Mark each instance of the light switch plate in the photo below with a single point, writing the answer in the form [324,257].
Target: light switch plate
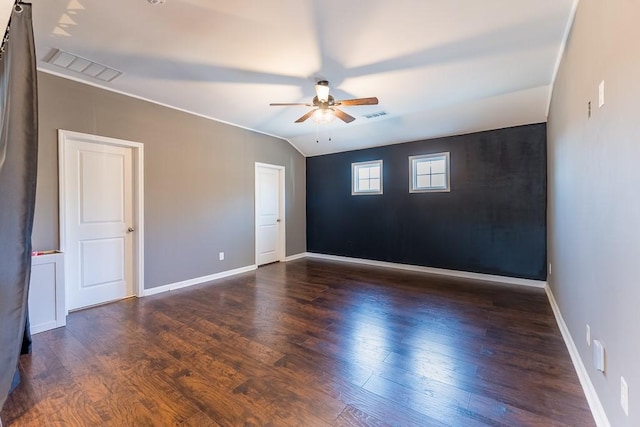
[624,396]
[598,355]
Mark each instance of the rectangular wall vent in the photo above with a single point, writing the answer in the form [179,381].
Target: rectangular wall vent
[375,115]
[82,65]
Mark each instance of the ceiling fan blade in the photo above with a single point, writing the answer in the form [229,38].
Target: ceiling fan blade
[359,101]
[343,116]
[288,104]
[306,116]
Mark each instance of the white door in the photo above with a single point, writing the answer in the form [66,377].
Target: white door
[269,213]
[98,222]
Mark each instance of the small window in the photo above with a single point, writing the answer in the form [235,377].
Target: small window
[429,172]
[366,177]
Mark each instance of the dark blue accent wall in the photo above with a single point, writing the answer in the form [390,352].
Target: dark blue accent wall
[493,221]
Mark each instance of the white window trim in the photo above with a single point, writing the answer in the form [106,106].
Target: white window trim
[412,173]
[354,168]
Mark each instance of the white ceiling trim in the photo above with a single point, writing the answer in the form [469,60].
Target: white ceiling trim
[563,47]
[120,92]
[437,67]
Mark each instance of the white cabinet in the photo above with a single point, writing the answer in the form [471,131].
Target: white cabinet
[46,293]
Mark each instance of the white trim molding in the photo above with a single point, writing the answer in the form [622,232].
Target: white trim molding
[563,48]
[198,280]
[437,271]
[355,177]
[296,256]
[597,409]
[137,149]
[162,104]
[595,405]
[413,172]
[282,212]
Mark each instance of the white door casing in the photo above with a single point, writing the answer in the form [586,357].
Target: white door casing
[101,227]
[269,213]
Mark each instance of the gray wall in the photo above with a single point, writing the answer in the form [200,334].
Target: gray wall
[594,195]
[199,179]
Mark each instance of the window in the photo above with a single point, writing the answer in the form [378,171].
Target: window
[429,172]
[366,177]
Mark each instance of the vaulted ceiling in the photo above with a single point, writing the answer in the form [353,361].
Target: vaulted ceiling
[438,67]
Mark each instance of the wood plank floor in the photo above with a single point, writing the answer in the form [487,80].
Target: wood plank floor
[307,343]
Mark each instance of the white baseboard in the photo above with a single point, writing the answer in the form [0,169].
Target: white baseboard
[595,405]
[597,409]
[438,271]
[295,257]
[592,397]
[36,329]
[197,280]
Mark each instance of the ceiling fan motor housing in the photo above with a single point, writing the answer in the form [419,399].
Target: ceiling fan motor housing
[325,105]
[322,90]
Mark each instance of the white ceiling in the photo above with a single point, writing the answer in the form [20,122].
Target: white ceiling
[5,12]
[439,67]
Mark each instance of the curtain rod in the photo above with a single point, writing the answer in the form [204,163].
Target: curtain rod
[17,7]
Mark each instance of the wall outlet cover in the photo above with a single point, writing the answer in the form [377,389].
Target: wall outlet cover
[221,256]
[601,94]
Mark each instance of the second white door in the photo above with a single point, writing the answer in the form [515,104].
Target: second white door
[98,206]
[269,214]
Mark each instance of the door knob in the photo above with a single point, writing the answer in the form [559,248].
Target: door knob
[131,230]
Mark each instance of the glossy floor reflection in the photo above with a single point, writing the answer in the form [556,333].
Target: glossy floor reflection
[307,343]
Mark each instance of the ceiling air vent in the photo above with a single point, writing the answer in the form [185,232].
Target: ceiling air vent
[375,115]
[82,65]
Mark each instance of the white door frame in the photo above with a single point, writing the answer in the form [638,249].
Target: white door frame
[138,196]
[282,241]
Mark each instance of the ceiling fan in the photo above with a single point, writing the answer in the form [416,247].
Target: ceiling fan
[324,105]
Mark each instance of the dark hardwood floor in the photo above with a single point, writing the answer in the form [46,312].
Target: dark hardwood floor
[307,343]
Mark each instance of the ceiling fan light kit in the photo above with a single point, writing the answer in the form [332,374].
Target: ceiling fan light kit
[325,110]
[323,116]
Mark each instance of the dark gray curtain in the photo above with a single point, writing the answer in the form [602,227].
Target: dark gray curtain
[18,165]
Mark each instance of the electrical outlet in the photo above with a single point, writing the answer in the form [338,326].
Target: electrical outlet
[549,269]
[601,94]
[588,335]
[221,256]
[624,396]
